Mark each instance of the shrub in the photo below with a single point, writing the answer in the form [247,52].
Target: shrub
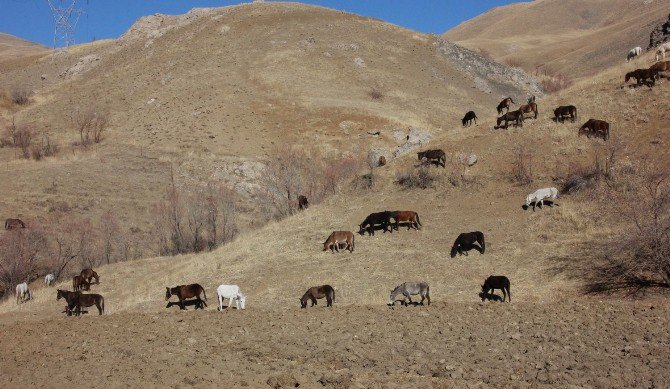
[23,138]
[44,149]
[91,126]
[555,83]
[416,178]
[522,166]
[21,95]
[513,62]
[376,94]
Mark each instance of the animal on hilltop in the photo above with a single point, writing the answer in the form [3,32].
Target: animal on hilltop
[505,104]
[90,274]
[77,300]
[232,293]
[49,279]
[12,224]
[538,197]
[634,52]
[184,292]
[437,156]
[23,293]
[409,289]
[565,111]
[595,127]
[302,202]
[318,292]
[410,218]
[662,49]
[466,242]
[337,237]
[514,116]
[382,219]
[643,76]
[528,108]
[497,282]
[468,118]
[79,283]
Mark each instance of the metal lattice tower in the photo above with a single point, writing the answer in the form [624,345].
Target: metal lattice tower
[66,15]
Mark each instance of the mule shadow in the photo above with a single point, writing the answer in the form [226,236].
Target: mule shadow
[198,304]
[490,297]
[375,228]
[534,204]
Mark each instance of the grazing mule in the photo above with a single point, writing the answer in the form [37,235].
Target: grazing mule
[79,283]
[232,293]
[528,108]
[409,289]
[634,52]
[411,218]
[77,300]
[49,279]
[337,237]
[661,67]
[89,274]
[466,242]
[318,292]
[12,224]
[506,103]
[565,111]
[514,116]
[23,293]
[643,76]
[378,218]
[468,118]
[184,292]
[382,161]
[662,49]
[497,282]
[302,202]
[438,156]
[595,127]
[538,197]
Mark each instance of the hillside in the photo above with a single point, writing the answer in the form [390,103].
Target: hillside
[572,37]
[12,47]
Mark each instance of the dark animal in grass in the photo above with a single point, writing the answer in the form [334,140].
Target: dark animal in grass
[77,300]
[378,218]
[565,111]
[336,238]
[643,76]
[438,157]
[184,292]
[302,202]
[661,67]
[382,161]
[409,289]
[79,283]
[529,108]
[514,116]
[468,118]
[595,127]
[497,282]
[505,104]
[90,274]
[490,297]
[318,292]
[12,224]
[409,218]
[467,241]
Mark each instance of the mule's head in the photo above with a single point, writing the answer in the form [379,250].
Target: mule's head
[326,245]
[242,299]
[361,231]
[628,76]
[454,251]
[421,155]
[168,294]
[59,294]
[392,298]
[303,303]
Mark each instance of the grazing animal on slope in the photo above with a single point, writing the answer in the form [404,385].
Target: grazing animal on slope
[382,161]
[538,197]
[497,282]
[302,202]
[411,218]
[505,104]
[564,111]
[595,127]
[12,224]
[643,76]
[337,237]
[77,300]
[634,52]
[378,218]
[662,49]
[79,283]
[514,116]
[184,292]
[468,118]
[89,274]
[466,242]
[232,293]
[438,156]
[409,289]
[318,292]
[528,108]
[49,279]
[23,293]
[660,67]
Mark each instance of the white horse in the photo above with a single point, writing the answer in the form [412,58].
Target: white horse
[23,293]
[662,49]
[49,279]
[232,293]
[539,196]
[634,52]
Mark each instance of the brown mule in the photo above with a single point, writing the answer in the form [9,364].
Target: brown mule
[337,237]
[409,217]
[79,283]
[12,224]
[88,274]
[318,292]
[184,292]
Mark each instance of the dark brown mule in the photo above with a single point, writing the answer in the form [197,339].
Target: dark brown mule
[302,202]
[497,282]
[643,76]
[89,274]
[595,127]
[565,111]
[79,283]
[78,300]
[468,118]
[409,217]
[318,292]
[184,292]
[438,156]
[528,108]
[466,242]
[382,219]
[514,116]
[12,224]
[506,103]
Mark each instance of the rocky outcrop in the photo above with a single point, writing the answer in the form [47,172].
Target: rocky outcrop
[660,34]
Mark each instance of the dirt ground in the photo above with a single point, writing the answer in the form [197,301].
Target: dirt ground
[585,343]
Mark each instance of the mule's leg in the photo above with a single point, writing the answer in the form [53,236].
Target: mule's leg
[97,304]
[504,294]
[181,304]
[314,302]
[329,300]
[220,302]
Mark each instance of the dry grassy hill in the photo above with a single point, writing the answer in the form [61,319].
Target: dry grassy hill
[12,47]
[572,37]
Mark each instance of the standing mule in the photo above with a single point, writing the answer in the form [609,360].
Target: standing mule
[318,292]
[409,289]
[505,104]
[184,292]
[466,242]
[23,293]
[337,237]
[78,300]
[89,274]
[410,218]
[79,283]
[497,282]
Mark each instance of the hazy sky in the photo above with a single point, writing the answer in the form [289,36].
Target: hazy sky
[32,20]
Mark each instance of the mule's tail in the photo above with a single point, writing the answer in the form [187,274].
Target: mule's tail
[417,220]
[353,241]
[102,304]
[333,294]
[480,237]
[509,293]
[203,292]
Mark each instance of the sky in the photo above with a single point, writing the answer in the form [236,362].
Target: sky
[32,19]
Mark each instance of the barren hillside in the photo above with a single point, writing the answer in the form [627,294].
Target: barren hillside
[573,37]
[12,47]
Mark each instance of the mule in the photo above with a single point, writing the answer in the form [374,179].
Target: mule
[595,127]
[410,218]
[49,279]
[468,118]
[528,108]
[514,116]
[184,292]
[466,242]
[337,237]
[643,76]
[318,292]
[382,219]
[382,161]
[506,103]
[302,202]
[661,67]
[497,282]
[409,289]
[540,196]
[565,111]
[437,156]
[662,49]
[79,283]
[232,293]
[77,300]
[12,224]
[89,274]
[69,299]
[23,293]
[634,52]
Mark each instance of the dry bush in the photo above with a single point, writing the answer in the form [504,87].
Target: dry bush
[366,181]
[555,83]
[376,94]
[21,250]
[522,166]
[338,171]
[91,126]
[416,178]
[21,95]
[513,62]
[5,100]
[44,149]
[587,176]
[485,53]
[23,138]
